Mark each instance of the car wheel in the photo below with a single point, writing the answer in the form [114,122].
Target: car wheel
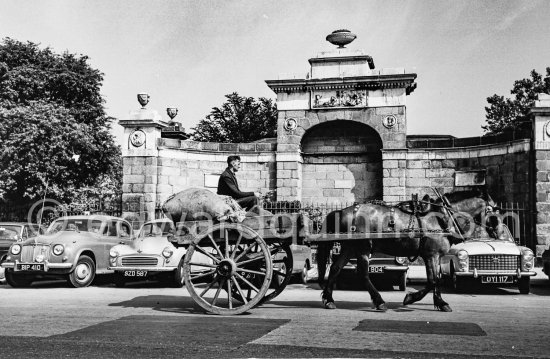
[177,278]
[304,275]
[17,280]
[83,273]
[524,285]
[403,282]
[119,280]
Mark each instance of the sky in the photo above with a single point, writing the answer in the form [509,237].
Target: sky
[189,54]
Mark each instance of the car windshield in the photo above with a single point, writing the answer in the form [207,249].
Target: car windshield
[502,233]
[156,229]
[9,232]
[76,225]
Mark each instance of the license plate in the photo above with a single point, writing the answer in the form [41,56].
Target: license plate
[135,273]
[376,269]
[496,279]
[30,267]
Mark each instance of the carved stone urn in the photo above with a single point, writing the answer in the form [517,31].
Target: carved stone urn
[172,112]
[143,99]
[341,37]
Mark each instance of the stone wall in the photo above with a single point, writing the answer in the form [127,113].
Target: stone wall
[184,164]
[415,171]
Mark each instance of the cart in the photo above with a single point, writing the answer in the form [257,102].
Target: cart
[231,267]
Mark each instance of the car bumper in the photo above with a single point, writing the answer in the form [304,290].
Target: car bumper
[477,274]
[148,269]
[47,266]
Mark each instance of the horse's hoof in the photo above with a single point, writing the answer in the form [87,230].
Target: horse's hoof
[444,308]
[408,299]
[382,307]
[330,305]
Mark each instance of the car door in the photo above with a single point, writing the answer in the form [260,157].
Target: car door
[108,239]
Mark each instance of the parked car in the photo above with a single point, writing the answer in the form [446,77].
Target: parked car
[301,262]
[75,247]
[384,270]
[11,232]
[151,255]
[489,261]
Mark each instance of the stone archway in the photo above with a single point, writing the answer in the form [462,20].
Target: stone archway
[342,162]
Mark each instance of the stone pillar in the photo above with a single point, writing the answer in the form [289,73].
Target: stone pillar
[142,130]
[394,164]
[541,139]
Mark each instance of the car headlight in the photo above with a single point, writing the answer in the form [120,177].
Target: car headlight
[113,253]
[15,249]
[58,249]
[167,252]
[400,260]
[462,255]
[527,259]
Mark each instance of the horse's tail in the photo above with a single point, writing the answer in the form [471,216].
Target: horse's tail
[324,248]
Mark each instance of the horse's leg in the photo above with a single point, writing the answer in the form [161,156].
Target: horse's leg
[363,269]
[439,303]
[416,296]
[346,252]
[323,251]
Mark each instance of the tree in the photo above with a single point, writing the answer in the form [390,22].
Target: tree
[239,119]
[51,109]
[505,114]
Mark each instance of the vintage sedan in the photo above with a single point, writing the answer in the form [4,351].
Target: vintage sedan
[489,261]
[151,255]
[384,271]
[11,232]
[75,247]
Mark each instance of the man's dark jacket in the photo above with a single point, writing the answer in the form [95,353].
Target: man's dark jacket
[228,185]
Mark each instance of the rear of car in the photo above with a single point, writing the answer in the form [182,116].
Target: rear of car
[385,271]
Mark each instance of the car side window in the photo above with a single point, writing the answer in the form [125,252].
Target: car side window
[125,230]
[110,229]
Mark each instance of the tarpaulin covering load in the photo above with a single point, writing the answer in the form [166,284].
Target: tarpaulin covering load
[197,204]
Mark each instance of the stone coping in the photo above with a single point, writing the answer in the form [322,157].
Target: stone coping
[216,146]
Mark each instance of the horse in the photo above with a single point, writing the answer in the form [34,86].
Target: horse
[434,218]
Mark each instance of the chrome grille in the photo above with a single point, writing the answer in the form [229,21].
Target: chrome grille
[494,262]
[29,252]
[139,261]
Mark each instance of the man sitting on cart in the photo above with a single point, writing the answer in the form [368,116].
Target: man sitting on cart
[228,185]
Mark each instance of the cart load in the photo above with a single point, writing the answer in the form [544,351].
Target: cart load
[198,204]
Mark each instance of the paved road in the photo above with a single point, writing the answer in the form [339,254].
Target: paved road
[145,320]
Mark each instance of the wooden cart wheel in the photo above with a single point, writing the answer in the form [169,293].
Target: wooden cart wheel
[222,260]
[282,270]
[281,255]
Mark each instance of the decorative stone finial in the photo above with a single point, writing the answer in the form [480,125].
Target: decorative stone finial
[341,37]
[172,112]
[143,99]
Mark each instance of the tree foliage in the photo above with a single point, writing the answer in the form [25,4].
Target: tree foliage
[51,108]
[239,119]
[505,114]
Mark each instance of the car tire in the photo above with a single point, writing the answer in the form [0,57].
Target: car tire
[304,275]
[83,273]
[119,280]
[177,276]
[17,280]
[403,282]
[524,285]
